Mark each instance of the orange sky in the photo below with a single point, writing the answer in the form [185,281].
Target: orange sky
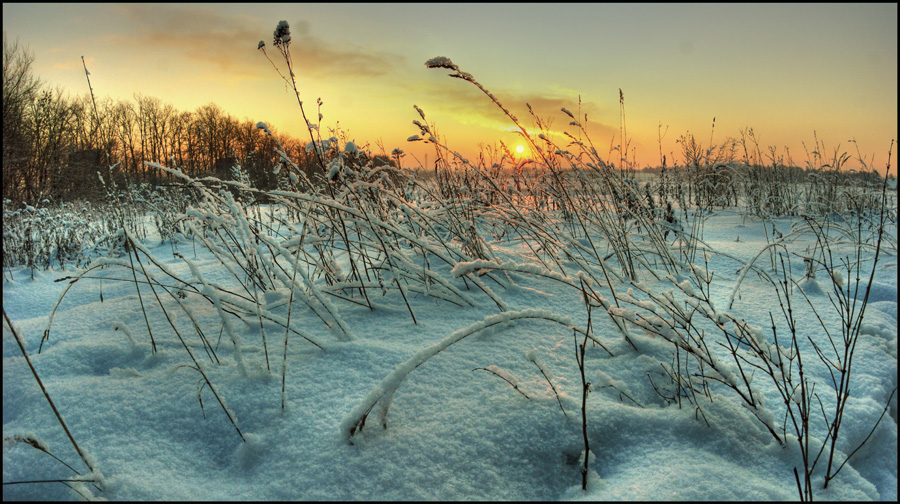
[784,70]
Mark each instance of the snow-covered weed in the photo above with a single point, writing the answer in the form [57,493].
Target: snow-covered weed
[93,476]
[53,235]
[354,229]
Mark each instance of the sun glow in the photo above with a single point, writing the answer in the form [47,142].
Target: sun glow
[520,149]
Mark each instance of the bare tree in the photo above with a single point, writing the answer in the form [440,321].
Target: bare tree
[19,88]
[52,140]
[53,144]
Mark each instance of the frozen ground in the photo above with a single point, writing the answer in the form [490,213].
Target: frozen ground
[453,431]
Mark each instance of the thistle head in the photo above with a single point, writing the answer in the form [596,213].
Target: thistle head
[444,62]
[441,62]
[282,33]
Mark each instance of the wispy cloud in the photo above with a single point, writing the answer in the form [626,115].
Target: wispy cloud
[469,105]
[317,55]
[229,41]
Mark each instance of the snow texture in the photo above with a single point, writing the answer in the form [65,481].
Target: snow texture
[422,425]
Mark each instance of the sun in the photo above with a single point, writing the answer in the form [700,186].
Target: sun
[520,149]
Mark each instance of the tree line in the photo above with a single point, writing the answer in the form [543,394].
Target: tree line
[54,145]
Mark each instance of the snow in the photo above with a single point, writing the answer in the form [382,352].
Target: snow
[441,62]
[389,409]
[282,33]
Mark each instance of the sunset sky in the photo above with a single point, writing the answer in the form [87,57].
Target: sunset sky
[784,70]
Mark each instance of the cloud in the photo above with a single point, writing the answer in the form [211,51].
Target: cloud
[469,105]
[72,65]
[229,41]
[194,33]
[309,52]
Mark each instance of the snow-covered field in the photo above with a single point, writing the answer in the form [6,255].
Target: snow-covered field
[456,429]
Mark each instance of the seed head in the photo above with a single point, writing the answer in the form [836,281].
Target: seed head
[441,62]
[282,33]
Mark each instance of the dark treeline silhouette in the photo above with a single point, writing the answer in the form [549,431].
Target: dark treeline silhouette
[54,145]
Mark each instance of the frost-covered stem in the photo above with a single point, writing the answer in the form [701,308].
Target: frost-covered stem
[788,390]
[624,146]
[63,481]
[777,243]
[383,393]
[442,62]
[210,351]
[186,347]
[210,293]
[681,331]
[522,218]
[46,394]
[290,309]
[626,264]
[541,369]
[140,299]
[585,388]
[283,47]
[387,255]
[87,75]
[262,328]
[852,324]
[514,385]
[69,284]
[37,444]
